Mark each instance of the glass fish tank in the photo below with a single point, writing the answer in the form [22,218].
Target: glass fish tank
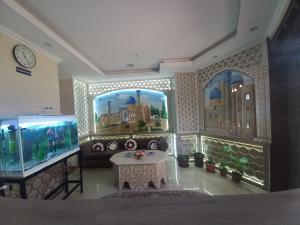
[30,143]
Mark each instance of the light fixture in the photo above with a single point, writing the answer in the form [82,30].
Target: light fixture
[253,28]
[48,44]
[130,65]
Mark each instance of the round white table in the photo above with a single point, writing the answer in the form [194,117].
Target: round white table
[139,173]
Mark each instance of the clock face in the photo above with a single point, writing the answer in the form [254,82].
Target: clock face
[24,56]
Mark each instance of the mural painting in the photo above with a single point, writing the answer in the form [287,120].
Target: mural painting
[229,104]
[130,110]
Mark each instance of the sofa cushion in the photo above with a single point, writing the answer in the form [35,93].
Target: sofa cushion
[153,145]
[98,147]
[130,145]
[112,146]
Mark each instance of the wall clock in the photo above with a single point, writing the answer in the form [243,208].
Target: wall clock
[24,56]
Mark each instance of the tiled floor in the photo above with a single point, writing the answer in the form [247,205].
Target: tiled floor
[100,181]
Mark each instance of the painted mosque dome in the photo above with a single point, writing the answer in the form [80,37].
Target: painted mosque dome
[236,79]
[215,94]
[130,101]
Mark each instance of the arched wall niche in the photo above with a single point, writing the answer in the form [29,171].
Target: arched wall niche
[229,104]
[130,110]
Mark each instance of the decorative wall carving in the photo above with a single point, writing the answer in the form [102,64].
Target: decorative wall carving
[81,107]
[186,102]
[103,87]
[253,62]
[187,144]
[256,172]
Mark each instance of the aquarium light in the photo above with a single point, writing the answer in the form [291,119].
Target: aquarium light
[46,123]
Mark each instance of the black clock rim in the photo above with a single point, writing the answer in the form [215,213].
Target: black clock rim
[14,55]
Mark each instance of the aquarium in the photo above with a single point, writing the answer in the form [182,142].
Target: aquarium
[30,143]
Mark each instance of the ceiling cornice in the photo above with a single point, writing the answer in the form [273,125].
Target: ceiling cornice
[19,38]
[36,22]
[277,17]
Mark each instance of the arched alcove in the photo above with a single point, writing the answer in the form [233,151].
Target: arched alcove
[130,110]
[229,104]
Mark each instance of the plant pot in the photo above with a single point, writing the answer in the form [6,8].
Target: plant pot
[236,177]
[223,172]
[198,159]
[210,167]
[183,163]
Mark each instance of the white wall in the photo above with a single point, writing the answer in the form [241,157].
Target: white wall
[21,94]
[66,96]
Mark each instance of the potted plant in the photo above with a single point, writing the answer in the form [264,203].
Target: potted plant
[227,150]
[183,160]
[210,165]
[223,169]
[198,157]
[239,166]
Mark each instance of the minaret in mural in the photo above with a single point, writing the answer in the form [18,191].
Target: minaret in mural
[109,107]
[138,106]
[227,95]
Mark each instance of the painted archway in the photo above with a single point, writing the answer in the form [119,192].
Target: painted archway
[229,104]
[130,110]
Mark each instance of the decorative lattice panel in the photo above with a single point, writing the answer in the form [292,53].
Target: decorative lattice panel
[187,144]
[159,84]
[242,60]
[213,147]
[81,106]
[186,103]
[252,62]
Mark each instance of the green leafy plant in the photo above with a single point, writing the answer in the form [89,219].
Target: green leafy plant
[223,165]
[227,150]
[210,160]
[183,157]
[239,164]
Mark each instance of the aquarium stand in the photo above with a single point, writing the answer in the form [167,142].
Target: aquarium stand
[64,186]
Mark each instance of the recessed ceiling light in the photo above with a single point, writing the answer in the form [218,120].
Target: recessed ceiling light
[130,65]
[253,28]
[48,44]
[137,55]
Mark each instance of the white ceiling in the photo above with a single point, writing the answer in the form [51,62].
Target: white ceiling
[98,38]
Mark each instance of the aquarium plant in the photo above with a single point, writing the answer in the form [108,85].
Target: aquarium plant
[12,143]
[68,142]
[43,149]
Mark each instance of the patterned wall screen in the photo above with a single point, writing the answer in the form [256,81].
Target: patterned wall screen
[186,103]
[100,88]
[81,106]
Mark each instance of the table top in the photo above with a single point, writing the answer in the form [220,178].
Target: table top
[280,208]
[128,158]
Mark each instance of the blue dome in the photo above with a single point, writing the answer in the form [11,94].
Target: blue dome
[130,101]
[236,79]
[215,94]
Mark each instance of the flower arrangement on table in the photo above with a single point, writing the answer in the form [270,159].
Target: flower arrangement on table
[139,154]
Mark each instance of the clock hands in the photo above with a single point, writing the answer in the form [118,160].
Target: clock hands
[26,58]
